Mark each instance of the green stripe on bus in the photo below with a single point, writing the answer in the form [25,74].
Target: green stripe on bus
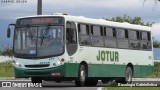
[94,70]
[108,70]
[113,70]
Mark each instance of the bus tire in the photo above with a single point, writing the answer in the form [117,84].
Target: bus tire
[128,75]
[127,78]
[36,80]
[82,75]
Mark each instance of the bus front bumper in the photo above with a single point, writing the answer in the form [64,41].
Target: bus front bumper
[46,72]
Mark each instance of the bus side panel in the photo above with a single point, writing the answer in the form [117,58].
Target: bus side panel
[93,70]
[146,70]
[137,71]
[111,70]
[142,70]
[71,69]
[106,70]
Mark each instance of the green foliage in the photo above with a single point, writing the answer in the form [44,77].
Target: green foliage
[135,20]
[0,52]
[157,69]
[156,44]
[8,52]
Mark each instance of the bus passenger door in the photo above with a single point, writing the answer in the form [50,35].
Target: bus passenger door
[71,47]
[71,38]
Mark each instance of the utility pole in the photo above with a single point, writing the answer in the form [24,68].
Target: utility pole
[39,7]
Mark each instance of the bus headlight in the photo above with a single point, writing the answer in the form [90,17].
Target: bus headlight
[17,64]
[58,63]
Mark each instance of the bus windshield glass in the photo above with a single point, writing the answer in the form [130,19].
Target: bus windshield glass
[38,41]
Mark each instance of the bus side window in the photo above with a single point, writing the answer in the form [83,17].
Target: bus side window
[71,33]
[134,37]
[145,42]
[110,37]
[122,38]
[97,36]
[144,36]
[96,30]
[84,34]
[120,33]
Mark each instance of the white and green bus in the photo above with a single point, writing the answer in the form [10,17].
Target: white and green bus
[63,47]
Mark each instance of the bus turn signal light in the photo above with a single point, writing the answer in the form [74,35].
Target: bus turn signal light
[62,60]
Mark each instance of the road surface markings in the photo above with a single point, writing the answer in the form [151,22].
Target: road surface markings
[100,88]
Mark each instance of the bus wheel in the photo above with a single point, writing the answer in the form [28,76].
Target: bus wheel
[36,80]
[81,76]
[129,75]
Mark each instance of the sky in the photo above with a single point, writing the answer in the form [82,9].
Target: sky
[148,11]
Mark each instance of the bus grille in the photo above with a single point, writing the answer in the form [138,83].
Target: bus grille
[37,65]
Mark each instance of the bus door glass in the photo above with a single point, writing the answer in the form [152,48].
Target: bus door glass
[71,38]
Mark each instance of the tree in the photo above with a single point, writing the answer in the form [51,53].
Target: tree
[8,52]
[135,20]
[156,44]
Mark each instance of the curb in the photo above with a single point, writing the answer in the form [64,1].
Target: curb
[7,78]
[146,79]
[13,78]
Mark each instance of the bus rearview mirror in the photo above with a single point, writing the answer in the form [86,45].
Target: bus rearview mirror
[8,32]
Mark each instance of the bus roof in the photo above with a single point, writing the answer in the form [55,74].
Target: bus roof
[82,19]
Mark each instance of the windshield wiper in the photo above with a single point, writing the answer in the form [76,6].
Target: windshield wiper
[45,33]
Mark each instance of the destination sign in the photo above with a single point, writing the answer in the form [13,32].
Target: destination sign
[40,20]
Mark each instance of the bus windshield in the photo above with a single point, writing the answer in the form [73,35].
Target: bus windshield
[38,41]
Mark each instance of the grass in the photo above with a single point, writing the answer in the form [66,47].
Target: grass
[6,70]
[132,88]
[156,71]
